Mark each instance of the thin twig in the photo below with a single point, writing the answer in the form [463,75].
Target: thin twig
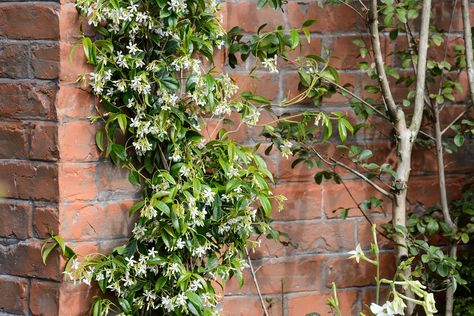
[256,283]
[453,122]
[360,175]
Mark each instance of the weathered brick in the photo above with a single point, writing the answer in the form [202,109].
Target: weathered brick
[282,274]
[44,143]
[77,182]
[27,180]
[13,60]
[77,141]
[44,298]
[13,299]
[15,217]
[80,221]
[311,238]
[251,305]
[348,273]
[76,300]
[113,181]
[72,65]
[303,201]
[263,84]
[316,302]
[74,102]
[247,16]
[46,221]
[13,140]
[45,61]
[28,20]
[26,100]
[24,259]
[328,19]
[335,196]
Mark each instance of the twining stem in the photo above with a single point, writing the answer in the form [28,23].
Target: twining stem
[377,260]
[255,281]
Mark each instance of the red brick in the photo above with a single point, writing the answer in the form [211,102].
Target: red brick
[44,298]
[311,238]
[74,102]
[247,16]
[46,221]
[15,217]
[329,19]
[263,84]
[25,180]
[348,273]
[364,234]
[70,25]
[13,140]
[316,302]
[44,141]
[45,62]
[425,189]
[13,60]
[296,274]
[303,201]
[25,100]
[27,20]
[76,300]
[80,221]
[251,305]
[335,196]
[77,141]
[345,55]
[14,295]
[24,259]
[77,182]
[72,66]
[113,181]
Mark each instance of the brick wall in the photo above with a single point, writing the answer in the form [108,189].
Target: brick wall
[54,181]
[51,175]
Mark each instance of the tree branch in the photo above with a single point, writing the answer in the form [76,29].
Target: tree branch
[468,46]
[421,68]
[396,115]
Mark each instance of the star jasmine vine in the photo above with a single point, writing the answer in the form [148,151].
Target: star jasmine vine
[204,201]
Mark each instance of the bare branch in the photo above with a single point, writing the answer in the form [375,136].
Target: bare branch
[252,271]
[421,68]
[453,122]
[363,177]
[396,115]
[468,46]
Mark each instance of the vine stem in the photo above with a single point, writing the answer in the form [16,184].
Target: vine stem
[255,281]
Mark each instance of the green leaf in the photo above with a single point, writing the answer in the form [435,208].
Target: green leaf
[125,305]
[122,120]
[308,23]
[195,299]
[266,204]
[459,140]
[162,207]
[134,177]
[160,283]
[119,151]
[295,39]
[137,206]
[99,139]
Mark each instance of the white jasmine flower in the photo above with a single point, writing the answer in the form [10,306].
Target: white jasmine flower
[356,254]
[384,310]
[181,299]
[271,64]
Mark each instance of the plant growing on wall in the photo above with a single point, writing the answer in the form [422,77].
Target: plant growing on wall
[430,84]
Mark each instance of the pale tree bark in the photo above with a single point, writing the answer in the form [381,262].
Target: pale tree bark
[405,135]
